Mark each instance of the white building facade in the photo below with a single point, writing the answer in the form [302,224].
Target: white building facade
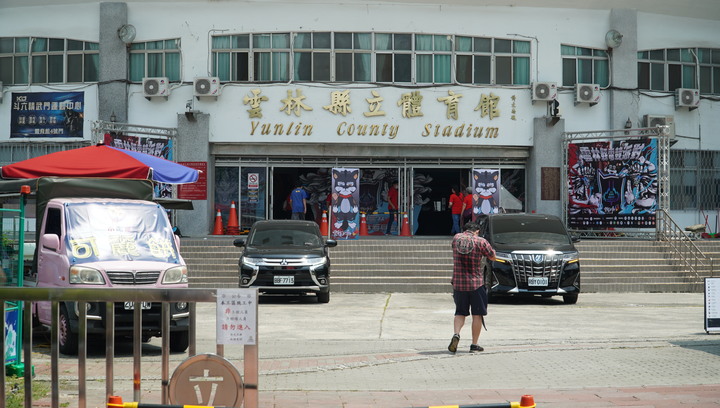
[266,95]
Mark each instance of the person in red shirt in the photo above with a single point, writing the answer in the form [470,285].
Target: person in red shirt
[468,283]
[456,203]
[392,197]
[467,206]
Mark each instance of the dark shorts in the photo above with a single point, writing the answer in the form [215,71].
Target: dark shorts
[474,301]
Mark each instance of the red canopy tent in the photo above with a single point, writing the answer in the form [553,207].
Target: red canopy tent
[103,162]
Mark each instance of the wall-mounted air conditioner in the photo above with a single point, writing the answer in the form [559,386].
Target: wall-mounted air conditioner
[206,87]
[587,93]
[156,87]
[544,91]
[687,98]
[652,121]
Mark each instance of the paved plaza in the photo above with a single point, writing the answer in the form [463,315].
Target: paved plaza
[390,350]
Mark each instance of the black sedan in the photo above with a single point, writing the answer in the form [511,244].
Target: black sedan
[286,257]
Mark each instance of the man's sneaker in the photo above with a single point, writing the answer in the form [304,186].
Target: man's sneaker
[454,343]
[474,348]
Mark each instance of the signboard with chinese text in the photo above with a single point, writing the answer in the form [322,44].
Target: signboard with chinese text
[47,114]
[198,189]
[376,115]
[612,184]
[237,316]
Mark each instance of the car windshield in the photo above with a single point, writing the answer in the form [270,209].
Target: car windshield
[529,231]
[285,235]
[119,232]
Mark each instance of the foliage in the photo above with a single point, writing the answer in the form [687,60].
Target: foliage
[15,391]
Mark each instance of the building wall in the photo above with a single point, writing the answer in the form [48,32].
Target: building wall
[225,122]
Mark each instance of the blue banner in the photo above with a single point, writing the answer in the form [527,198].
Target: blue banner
[47,114]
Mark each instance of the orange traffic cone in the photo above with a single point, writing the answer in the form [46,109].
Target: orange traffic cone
[363,225]
[527,401]
[324,224]
[232,226]
[115,402]
[405,229]
[218,230]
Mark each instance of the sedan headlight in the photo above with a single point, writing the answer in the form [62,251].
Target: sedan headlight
[85,275]
[251,261]
[176,274]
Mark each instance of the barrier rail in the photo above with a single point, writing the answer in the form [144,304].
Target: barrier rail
[526,401]
[111,295]
[699,264]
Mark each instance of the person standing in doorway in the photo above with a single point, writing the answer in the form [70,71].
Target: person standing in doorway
[467,206]
[392,197]
[455,204]
[298,202]
[469,291]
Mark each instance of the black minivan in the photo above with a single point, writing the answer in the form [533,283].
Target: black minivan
[535,255]
[286,257]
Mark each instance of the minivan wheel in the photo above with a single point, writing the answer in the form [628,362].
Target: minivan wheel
[323,297]
[570,298]
[179,341]
[68,342]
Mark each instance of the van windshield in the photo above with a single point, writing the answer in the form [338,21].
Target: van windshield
[529,231]
[119,232]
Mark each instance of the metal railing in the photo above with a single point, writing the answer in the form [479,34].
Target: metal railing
[27,296]
[683,248]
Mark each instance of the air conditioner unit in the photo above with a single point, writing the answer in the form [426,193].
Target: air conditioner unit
[206,87]
[651,121]
[587,93]
[156,87]
[544,91]
[687,98]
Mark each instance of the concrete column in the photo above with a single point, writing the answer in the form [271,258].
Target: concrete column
[623,71]
[193,144]
[112,87]
[547,145]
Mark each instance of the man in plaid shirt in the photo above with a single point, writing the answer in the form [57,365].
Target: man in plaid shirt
[468,287]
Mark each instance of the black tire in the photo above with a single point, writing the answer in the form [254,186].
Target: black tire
[179,341]
[68,341]
[570,298]
[323,297]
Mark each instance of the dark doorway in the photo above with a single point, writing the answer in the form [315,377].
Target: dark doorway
[316,182]
[432,189]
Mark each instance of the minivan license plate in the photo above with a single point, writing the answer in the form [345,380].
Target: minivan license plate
[537,281]
[283,280]
[143,305]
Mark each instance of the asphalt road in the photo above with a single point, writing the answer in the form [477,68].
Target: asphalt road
[390,350]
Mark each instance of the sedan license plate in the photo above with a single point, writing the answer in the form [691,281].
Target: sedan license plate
[143,305]
[283,280]
[537,281]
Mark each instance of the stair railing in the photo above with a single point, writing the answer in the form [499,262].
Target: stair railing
[685,250]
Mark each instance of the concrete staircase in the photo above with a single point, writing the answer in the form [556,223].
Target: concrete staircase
[399,264]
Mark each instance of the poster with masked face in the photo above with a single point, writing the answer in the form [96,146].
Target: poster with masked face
[345,208]
[612,184]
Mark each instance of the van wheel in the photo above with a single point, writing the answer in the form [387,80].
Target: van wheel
[570,299]
[323,297]
[68,342]
[179,341]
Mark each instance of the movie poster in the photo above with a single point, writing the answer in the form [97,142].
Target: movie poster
[486,191]
[612,184]
[47,114]
[345,207]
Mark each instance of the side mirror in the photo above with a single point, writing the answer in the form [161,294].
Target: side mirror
[575,238]
[50,241]
[239,242]
[330,243]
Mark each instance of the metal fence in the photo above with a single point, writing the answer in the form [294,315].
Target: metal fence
[27,296]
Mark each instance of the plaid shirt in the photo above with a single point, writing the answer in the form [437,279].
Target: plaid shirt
[468,252]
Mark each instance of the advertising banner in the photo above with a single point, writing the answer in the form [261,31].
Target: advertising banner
[486,191]
[47,114]
[345,203]
[158,147]
[612,184]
